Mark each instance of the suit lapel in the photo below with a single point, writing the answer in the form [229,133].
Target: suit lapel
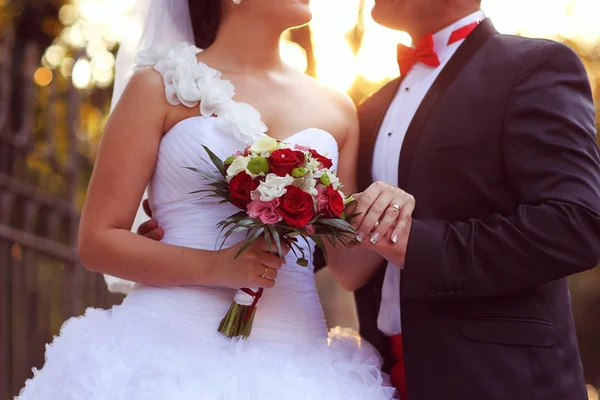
[464,53]
[371,114]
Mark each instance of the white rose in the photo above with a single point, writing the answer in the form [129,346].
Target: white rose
[265,144]
[242,121]
[238,165]
[272,187]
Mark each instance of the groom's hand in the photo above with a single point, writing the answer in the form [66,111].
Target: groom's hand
[383,212]
[150,228]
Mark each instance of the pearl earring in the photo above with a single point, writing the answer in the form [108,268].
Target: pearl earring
[237,1]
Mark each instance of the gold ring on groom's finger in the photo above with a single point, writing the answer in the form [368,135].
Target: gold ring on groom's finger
[264,273]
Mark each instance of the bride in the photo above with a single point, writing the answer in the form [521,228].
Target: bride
[162,342]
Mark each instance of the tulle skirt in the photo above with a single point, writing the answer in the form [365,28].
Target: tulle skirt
[132,353]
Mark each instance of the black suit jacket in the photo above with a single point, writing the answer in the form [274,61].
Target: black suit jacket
[502,160]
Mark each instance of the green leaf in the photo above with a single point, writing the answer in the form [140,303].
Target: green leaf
[268,239]
[276,238]
[331,239]
[250,240]
[319,241]
[216,161]
[338,224]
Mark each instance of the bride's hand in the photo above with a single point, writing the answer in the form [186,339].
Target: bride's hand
[256,267]
[382,210]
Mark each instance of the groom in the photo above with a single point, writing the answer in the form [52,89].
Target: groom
[494,136]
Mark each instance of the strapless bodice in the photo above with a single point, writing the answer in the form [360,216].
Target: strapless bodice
[190,219]
[291,311]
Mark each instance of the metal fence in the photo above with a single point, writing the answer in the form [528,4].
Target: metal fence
[41,172]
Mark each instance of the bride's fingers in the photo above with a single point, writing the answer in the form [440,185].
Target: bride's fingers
[403,219]
[269,273]
[270,260]
[285,248]
[264,276]
[390,216]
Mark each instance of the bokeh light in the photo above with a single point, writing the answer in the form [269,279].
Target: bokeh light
[82,73]
[93,28]
[42,76]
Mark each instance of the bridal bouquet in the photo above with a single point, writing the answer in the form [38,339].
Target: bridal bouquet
[286,193]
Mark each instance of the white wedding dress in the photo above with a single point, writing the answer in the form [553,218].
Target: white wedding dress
[162,342]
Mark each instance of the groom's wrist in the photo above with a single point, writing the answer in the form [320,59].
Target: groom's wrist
[424,260]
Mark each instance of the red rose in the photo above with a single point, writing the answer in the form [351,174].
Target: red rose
[330,203]
[297,207]
[325,162]
[240,187]
[283,161]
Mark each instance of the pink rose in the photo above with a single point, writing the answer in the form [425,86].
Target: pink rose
[266,211]
[330,203]
[322,198]
[302,148]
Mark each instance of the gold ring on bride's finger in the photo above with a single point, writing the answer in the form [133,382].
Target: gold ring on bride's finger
[396,206]
[264,273]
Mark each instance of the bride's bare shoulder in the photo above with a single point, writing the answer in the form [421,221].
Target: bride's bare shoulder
[145,91]
[330,102]
[327,94]
[145,81]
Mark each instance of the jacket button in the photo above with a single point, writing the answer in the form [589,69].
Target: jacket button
[452,294]
[433,293]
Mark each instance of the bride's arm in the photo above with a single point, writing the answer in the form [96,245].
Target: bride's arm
[124,165]
[352,267]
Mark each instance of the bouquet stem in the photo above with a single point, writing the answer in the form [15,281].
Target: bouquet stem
[238,320]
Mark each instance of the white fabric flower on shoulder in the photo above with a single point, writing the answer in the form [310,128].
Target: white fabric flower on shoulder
[194,83]
[190,83]
[241,120]
[216,95]
[150,56]
[174,63]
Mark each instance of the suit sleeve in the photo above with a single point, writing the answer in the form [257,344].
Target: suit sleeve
[552,162]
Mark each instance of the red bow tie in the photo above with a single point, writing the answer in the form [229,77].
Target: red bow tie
[424,51]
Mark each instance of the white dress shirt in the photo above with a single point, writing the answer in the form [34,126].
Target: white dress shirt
[386,156]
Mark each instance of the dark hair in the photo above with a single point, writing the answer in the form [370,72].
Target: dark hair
[206,17]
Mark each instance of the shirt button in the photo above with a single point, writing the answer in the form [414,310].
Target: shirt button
[389,134]
[406,89]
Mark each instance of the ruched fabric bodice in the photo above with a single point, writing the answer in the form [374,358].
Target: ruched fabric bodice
[289,312]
